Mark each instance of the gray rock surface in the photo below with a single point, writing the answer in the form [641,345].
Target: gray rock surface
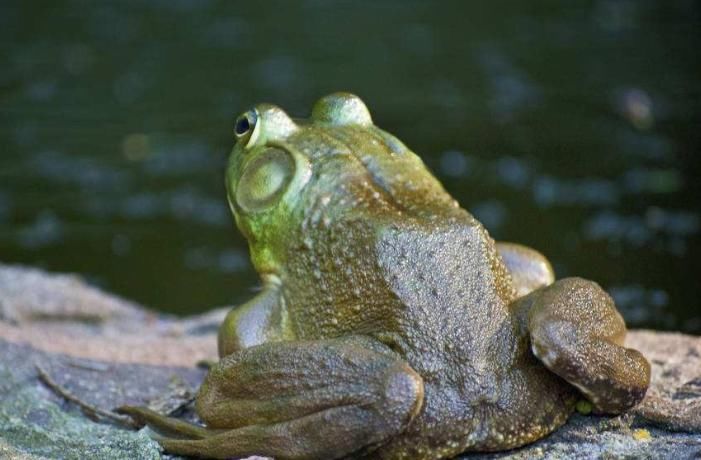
[108,351]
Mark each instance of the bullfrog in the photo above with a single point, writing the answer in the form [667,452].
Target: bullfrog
[389,325]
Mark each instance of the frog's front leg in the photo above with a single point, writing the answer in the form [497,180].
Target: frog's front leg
[262,319]
[529,269]
[302,399]
[576,331]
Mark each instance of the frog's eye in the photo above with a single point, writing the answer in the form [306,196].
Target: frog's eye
[245,127]
[341,109]
[265,178]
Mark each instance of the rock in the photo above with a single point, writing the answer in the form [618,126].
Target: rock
[108,352]
[37,423]
[82,321]
[674,398]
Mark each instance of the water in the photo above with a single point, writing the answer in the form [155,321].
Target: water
[572,127]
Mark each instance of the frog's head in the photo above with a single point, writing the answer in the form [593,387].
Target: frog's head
[283,172]
[275,166]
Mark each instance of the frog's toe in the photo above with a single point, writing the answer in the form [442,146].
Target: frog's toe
[166,426]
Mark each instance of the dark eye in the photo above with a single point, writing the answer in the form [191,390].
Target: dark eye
[245,124]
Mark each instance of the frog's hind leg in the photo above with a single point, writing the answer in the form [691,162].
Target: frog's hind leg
[576,331]
[298,400]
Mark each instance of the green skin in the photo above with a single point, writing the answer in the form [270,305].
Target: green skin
[390,324]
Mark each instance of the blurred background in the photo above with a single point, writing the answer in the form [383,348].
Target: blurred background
[573,127]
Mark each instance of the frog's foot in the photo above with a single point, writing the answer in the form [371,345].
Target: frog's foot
[578,334]
[302,400]
[168,427]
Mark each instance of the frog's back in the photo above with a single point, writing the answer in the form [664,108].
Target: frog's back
[480,381]
[451,287]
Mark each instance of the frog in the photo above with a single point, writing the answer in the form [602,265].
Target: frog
[389,324]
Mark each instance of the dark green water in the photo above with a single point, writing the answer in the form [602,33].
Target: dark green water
[574,127]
